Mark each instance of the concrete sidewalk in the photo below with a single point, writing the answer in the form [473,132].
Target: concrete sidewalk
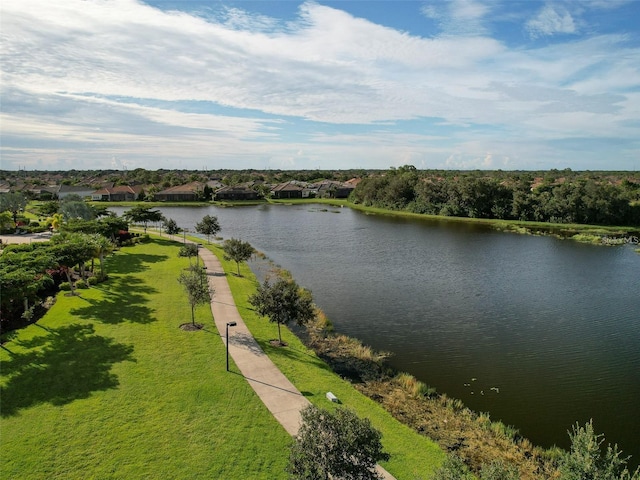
[279,395]
[275,390]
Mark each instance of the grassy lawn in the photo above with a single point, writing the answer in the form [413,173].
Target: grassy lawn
[107,386]
[413,456]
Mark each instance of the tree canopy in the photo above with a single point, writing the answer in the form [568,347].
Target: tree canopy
[14,203]
[237,250]
[208,226]
[335,445]
[282,302]
[557,197]
[171,227]
[143,214]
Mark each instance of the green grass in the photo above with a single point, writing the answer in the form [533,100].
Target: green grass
[412,455]
[107,386]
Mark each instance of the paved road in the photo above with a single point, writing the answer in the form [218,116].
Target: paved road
[26,238]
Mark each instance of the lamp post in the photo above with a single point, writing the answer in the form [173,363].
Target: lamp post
[229,324]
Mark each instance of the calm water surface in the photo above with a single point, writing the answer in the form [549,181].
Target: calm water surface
[544,332]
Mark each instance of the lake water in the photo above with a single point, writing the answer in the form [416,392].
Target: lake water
[544,332]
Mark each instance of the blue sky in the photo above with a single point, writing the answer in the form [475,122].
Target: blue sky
[460,84]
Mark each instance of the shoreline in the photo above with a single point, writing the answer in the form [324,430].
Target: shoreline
[606,235]
[471,435]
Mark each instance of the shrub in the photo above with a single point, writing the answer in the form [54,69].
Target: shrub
[81,284]
[188,250]
[28,313]
[335,445]
[498,470]
[453,468]
[48,303]
[65,286]
[587,458]
[93,280]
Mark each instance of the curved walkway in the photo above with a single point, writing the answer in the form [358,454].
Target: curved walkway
[275,390]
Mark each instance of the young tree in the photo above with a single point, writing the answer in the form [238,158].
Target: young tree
[587,459]
[335,445]
[237,250]
[195,284]
[171,227]
[188,250]
[283,301]
[144,215]
[14,203]
[208,226]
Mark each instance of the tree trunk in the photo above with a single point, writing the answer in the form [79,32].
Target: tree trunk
[101,266]
[67,270]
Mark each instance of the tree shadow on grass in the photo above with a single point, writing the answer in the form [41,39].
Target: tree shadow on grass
[132,262]
[164,241]
[66,364]
[124,300]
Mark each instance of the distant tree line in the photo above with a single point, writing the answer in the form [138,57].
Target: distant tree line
[566,197]
[163,178]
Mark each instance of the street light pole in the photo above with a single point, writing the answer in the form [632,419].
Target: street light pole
[229,324]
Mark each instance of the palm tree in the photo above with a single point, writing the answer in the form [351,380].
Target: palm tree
[101,246]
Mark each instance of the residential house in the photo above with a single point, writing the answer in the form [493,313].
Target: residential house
[287,190]
[119,193]
[333,189]
[66,190]
[182,193]
[236,192]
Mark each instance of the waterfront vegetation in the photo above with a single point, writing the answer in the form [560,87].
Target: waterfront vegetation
[595,234]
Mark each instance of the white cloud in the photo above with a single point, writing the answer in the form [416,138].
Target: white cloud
[121,77]
[551,20]
[458,17]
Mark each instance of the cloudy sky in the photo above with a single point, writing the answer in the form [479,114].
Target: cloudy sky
[460,84]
